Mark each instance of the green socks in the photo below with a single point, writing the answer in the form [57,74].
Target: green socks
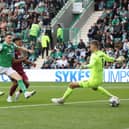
[22,85]
[67,93]
[104,91]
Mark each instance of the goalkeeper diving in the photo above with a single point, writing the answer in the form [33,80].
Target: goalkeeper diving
[96,66]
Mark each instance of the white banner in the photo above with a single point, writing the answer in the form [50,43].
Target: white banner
[77,8]
[71,75]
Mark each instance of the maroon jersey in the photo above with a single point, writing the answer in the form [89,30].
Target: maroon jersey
[18,66]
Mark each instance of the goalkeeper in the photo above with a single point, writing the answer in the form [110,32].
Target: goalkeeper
[96,66]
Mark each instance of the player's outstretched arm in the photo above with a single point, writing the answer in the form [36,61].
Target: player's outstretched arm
[19,60]
[107,58]
[111,59]
[30,63]
[25,49]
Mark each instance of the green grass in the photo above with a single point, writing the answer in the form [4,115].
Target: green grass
[86,115]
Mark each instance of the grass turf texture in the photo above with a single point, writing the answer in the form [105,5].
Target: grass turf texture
[86,115]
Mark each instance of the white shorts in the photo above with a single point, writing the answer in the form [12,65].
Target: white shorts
[7,70]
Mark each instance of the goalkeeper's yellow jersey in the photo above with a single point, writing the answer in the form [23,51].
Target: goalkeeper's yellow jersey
[96,65]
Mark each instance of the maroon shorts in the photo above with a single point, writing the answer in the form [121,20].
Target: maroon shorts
[24,76]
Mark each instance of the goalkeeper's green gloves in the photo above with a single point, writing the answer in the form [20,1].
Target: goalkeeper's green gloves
[120,59]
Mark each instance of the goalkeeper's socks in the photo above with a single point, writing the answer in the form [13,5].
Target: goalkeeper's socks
[67,93]
[104,91]
[22,86]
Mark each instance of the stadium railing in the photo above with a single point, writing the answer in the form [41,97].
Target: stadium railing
[61,12]
[88,6]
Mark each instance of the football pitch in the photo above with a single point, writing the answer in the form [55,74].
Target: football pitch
[85,109]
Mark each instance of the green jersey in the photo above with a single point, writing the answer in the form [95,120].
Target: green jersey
[45,40]
[7,54]
[35,29]
[96,65]
[60,33]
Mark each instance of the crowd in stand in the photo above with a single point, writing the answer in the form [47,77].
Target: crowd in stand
[67,55]
[111,29]
[18,16]
[22,17]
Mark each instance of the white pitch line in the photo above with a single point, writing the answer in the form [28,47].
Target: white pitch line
[107,87]
[51,104]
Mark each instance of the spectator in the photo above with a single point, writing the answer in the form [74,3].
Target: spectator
[111,30]
[126,45]
[49,32]
[62,63]
[58,54]
[101,5]
[45,40]
[34,31]
[98,36]
[70,45]
[26,18]
[60,34]
[81,45]
[47,63]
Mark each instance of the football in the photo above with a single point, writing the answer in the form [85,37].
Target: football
[114,101]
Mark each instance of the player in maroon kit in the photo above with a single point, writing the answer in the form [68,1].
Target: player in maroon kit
[17,65]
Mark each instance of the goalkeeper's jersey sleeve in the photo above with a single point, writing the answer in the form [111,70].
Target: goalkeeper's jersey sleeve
[107,58]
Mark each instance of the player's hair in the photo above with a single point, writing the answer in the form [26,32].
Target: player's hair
[16,39]
[46,33]
[95,43]
[8,33]
[59,25]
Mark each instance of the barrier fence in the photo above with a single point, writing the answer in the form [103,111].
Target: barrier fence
[71,75]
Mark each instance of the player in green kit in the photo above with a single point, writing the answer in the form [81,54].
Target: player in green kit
[96,66]
[7,50]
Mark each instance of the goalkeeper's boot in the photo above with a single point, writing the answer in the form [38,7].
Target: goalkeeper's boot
[57,100]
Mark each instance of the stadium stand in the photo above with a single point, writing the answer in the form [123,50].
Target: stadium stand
[19,17]
[111,29]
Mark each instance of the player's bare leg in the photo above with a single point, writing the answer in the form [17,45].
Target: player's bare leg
[13,88]
[67,93]
[12,91]
[21,84]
